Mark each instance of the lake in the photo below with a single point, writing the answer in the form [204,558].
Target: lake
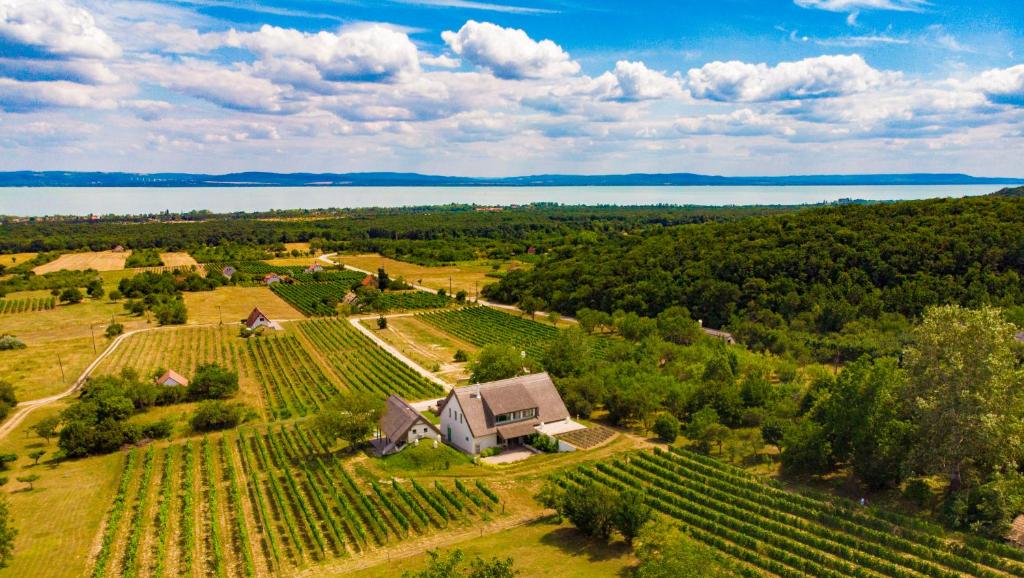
[38,201]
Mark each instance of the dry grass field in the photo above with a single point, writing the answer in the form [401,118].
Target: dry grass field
[427,345]
[98,260]
[467,276]
[13,259]
[177,260]
[232,304]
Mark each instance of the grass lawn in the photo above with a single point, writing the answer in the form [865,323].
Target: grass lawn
[424,459]
[66,331]
[539,549]
[463,275]
[98,260]
[235,303]
[59,521]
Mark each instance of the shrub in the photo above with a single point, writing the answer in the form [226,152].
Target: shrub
[667,427]
[114,329]
[461,356]
[212,381]
[71,295]
[215,415]
[157,430]
[9,342]
[542,442]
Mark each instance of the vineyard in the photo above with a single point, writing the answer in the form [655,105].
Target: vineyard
[180,349]
[767,531]
[9,306]
[313,299]
[265,502]
[485,325]
[291,381]
[413,300]
[364,366]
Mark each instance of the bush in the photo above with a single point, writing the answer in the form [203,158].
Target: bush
[10,342]
[667,427]
[114,329]
[542,442]
[158,430]
[71,295]
[461,356]
[216,415]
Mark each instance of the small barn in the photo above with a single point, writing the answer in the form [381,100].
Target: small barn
[172,378]
[271,278]
[401,425]
[118,249]
[228,271]
[257,319]
[369,281]
[314,268]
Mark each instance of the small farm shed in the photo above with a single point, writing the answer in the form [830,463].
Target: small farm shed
[172,378]
[401,425]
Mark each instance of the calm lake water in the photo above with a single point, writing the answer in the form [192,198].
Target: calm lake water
[37,201]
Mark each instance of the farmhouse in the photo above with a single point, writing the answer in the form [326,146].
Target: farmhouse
[314,268]
[228,271]
[503,413]
[258,319]
[369,281]
[401,425]
[172,378]
[271,278]
[118,249]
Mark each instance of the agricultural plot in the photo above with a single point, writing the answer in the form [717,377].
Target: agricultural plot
[291,382]
[765,530]
[362,365]
[485,325]
[178,260]
[265,502]
[413,300]
[9,306]
[313,299]
[181,349]
[98,260]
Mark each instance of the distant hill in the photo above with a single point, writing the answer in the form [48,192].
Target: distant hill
[384,179]
[1010,192]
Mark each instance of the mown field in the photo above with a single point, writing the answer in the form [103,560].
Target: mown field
[98,260]
[767,531]
[266,502]
[465,276]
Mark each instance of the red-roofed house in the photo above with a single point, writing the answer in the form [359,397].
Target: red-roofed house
[172,378]
[314,268]
[257,319]
[369,281]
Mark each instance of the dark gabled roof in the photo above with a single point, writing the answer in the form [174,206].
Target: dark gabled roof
[398,417]
[256,314]
[481,402]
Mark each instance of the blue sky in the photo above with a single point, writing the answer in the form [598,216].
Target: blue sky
[500,88]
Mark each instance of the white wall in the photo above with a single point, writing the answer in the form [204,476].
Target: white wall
[461,437]
[420,431]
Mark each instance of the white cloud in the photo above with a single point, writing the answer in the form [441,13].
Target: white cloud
[633,81]
[1002,85]
[509,52]
[371,52]
[740,122]
[818,77]
[855,5]
[54,28]
[235,88]
[18,96]
[470,4]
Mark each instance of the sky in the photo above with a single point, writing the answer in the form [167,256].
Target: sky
[492,88]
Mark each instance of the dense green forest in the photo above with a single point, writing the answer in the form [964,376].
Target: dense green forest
[832,283]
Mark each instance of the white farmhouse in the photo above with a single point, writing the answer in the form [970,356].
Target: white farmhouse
[503,413]
[401,425]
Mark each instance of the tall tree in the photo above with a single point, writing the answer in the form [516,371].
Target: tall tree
[965,393]
[352,417]
[496,361]
[7,534]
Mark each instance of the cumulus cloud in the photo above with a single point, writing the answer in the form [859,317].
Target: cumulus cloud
[53,28]
[371,52]
[633,81]
[234,88]
[741,122]
[18,96]
[818,77]
[509,52]
[1003,86]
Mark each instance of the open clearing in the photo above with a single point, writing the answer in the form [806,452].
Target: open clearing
[98,260]
[425,344]
[12,259]
[232,304]
[178,260]
[467,276]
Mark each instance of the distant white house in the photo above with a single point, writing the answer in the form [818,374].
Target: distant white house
[228,271]
[271,278]
[314,268]
[172,378]
[503,413]
[257,319]
[401,425]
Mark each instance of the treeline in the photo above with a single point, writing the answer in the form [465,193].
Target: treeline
[455,225]
[829,284]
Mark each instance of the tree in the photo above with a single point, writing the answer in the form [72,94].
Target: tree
[675,325]
[115,295]
[452,566]
[95,289]
[382,279]
[567,354]
[215,414]
[667,427]
[36,455]
[30,479]
[6,460]
[530,305]
[553,318]
[591,320]
[590,509]
[460,296]
[8,399]
[172,312]
[494,362]
[113,330]
[212,381]
[964,393]
[382,322]
[71,295]
[7,534]
[700,426]
[806,449]
[665,552]
[630,514]
[772,432]
[352,416]
[46,428]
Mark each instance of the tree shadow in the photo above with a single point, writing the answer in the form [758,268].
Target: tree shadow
[574,543]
